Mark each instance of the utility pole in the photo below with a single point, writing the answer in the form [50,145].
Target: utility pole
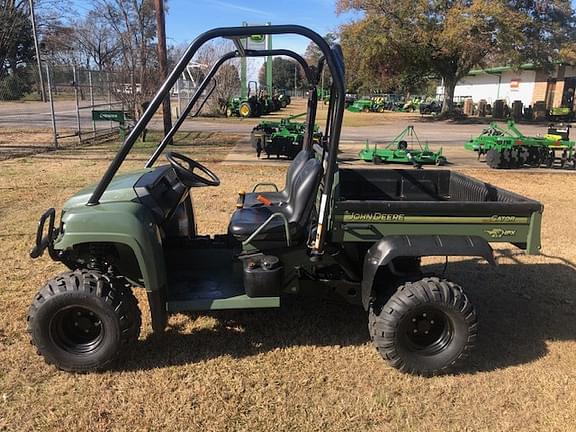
[163,60]
[37,48]
[295,76]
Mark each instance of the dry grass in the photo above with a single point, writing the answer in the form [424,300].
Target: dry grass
[308,366]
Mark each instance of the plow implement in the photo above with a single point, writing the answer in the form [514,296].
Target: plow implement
[509,148]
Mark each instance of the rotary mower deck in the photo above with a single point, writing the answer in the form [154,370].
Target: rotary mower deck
[404,152]
[510,148]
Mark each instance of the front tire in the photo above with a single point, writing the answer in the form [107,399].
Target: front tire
[426,328]
[81,321]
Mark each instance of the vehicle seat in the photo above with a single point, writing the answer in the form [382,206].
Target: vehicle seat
[296,209]
[251,198]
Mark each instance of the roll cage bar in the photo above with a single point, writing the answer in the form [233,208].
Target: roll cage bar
[331,57]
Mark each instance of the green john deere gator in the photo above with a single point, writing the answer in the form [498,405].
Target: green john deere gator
[510,148]
[335,231]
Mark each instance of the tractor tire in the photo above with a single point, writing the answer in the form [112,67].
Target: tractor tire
[246,110]
[380,109]
[81,321]
[494,159]
[426,328]
[257,109]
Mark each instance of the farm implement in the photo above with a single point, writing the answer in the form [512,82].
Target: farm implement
[367,105]
[401,151]
[281,138]
[509,148]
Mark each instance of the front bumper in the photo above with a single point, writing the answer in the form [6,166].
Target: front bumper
[44,242]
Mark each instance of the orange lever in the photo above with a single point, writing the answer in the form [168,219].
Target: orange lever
[264,200]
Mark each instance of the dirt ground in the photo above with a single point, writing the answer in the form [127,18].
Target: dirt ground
[308,366]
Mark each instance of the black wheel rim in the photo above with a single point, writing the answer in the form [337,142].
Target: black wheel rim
[427,331]
[77,330]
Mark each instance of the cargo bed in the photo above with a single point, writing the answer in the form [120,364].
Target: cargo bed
[372,203]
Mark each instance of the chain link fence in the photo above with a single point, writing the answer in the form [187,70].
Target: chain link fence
[81,106]
[85,104]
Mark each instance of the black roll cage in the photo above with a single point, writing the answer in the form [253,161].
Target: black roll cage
[331,57]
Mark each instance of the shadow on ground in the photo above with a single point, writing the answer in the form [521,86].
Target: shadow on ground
[521,307]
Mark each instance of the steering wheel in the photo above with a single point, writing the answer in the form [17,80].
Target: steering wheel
[187,174]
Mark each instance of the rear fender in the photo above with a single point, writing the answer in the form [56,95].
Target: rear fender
[384,251]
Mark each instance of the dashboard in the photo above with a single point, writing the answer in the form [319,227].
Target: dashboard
[161,191]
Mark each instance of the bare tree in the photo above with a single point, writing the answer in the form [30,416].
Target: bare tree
[133,23]
[97,41]
[227,79]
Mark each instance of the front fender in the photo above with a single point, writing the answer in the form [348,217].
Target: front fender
[390,247]
[127,223]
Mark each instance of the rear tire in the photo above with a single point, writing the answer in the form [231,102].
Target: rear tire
[80,321]
[427,327]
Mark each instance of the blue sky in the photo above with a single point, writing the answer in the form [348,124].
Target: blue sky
[187,18]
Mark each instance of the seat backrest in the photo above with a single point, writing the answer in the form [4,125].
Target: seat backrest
[303,192]
[295,166]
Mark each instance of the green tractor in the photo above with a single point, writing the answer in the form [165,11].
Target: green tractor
[405,148]
[251,106]
[367,105]
[510,148]
[281,138]
[241,107]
